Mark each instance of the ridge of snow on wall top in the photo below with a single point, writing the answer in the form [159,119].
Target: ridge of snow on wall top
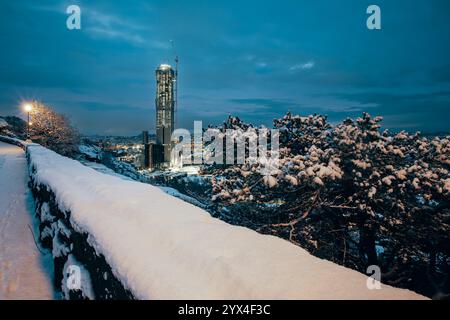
[161,247]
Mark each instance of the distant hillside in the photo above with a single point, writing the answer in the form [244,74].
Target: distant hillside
[119,139]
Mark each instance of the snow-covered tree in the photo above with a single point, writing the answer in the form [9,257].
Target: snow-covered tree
[53,130]
[353,194]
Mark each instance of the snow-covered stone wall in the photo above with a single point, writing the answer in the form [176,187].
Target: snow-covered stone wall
[70,247]
[132,240]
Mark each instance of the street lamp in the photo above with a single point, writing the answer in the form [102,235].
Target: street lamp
[28,107]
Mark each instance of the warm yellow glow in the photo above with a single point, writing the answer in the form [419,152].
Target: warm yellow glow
[28,107]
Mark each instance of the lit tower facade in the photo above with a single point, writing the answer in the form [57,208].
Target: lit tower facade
[165,107]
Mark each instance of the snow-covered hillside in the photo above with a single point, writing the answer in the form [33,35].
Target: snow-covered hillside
[161,247]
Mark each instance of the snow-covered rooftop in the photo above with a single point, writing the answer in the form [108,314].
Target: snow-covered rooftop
[161,247]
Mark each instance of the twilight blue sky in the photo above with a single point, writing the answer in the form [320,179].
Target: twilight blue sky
[255,59]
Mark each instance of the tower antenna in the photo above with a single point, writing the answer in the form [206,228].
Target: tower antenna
[176,83]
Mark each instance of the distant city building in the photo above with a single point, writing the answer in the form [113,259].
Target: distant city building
[165,108]
[156,155]
[145,141]
[153,154]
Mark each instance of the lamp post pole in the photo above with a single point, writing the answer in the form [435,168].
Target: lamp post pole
[28,107]
[28,126]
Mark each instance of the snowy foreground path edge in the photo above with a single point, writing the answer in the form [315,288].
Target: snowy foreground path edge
[24,271]
[161,247]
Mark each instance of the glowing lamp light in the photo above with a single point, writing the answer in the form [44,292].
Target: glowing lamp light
[28,107]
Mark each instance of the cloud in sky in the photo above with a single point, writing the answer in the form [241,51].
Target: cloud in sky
[116,34]
[302,66]
[261,64]
[115,27]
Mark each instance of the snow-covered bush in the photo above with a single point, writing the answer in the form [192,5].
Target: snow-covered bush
[89,151]
[3,124]
[353,194]
[5,129]
[12,126]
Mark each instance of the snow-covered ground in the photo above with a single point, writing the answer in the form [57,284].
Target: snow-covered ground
[24,271]
[161,247]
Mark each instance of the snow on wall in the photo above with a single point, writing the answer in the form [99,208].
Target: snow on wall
[161,247]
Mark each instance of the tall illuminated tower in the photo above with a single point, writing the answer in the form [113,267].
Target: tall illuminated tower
[165,107]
